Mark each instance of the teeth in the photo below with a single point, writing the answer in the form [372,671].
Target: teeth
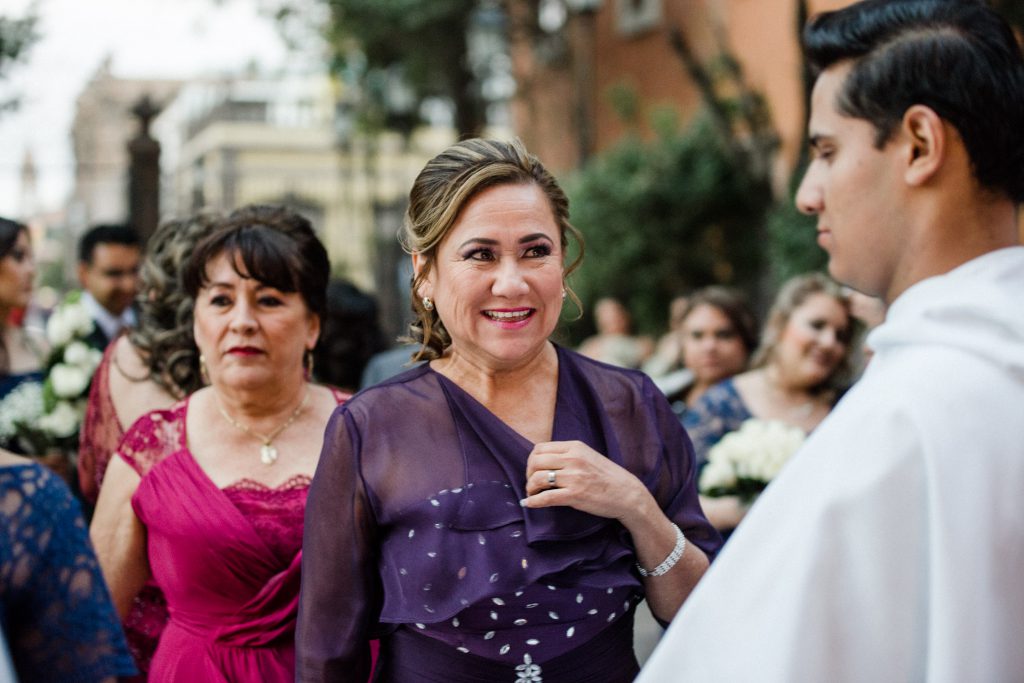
[496,315]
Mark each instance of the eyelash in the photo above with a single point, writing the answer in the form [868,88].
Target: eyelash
[535,251]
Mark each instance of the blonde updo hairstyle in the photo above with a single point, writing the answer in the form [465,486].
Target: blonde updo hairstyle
[793,293]
[442,189]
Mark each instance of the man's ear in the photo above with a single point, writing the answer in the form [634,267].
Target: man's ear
[419,262]
[927,138]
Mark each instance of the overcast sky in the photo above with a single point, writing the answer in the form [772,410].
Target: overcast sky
[144,38]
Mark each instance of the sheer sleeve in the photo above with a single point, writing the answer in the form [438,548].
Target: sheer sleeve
[153,437]
[675,487]
[58,618]
[719,411]
[101,431]
[341,593]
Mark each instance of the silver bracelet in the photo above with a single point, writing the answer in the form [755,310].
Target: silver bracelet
[672,558]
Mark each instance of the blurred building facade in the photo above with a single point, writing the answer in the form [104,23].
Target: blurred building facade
[586,54]
[100,131]
[287,140]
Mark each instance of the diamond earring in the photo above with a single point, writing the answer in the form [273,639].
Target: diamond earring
[428,304]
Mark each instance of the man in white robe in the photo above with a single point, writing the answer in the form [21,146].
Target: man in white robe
[891,548]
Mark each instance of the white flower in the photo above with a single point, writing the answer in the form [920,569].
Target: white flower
[78,318]
[69,381]
[77,354]
[23,404]
[717,474]
[58,328]
[756,451]
[62,422]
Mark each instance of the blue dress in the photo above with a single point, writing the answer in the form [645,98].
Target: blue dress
[54,605]
[718,411]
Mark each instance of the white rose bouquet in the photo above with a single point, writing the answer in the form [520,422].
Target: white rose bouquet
[746,460]
[48,416]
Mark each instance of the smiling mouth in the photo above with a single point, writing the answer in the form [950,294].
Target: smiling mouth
[509,316]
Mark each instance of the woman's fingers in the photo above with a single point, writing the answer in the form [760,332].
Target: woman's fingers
[570,473]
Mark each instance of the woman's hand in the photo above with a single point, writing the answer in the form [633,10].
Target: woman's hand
[583,479]
[588,481]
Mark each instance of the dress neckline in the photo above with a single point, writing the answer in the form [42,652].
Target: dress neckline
[449,384]
[244,483]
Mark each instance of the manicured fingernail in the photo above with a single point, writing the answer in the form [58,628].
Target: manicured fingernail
[522,503]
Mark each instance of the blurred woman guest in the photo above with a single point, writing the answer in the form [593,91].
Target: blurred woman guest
[717,334]
[799,371]
[614,342]
[207,497]
[153,367]
[55,608]
[22,350]
[499,511]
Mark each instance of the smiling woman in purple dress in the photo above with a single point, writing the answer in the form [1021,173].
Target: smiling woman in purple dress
[207,496]
[497,513]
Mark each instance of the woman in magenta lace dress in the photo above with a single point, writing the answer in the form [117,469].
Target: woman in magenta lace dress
[207,497]
[153,367]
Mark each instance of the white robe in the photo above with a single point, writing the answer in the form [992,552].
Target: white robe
[891,548]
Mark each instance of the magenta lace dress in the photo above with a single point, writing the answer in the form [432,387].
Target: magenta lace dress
[227,560]
[101,433]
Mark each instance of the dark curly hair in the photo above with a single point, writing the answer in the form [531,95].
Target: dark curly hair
[164,336]
[443,188]
[274,245]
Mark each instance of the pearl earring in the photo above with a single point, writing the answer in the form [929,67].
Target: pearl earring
[428,304]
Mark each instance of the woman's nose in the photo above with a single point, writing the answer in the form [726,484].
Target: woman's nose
[243,317]
[509,281]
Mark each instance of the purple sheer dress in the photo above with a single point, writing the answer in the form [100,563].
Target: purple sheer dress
[227,560]
[414,533]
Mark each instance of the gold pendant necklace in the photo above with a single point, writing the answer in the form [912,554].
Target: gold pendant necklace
[268,452]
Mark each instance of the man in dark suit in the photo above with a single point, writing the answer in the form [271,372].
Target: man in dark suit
[108,270]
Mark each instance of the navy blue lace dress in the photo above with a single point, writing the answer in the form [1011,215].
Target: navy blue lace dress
[719,411]
[55,607]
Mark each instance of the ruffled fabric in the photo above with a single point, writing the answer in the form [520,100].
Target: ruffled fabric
[228,560]
[414,516]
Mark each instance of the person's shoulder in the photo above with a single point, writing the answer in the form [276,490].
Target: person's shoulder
[722,392]
[412,385]
[607,379]
[39,488]
[163,426]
